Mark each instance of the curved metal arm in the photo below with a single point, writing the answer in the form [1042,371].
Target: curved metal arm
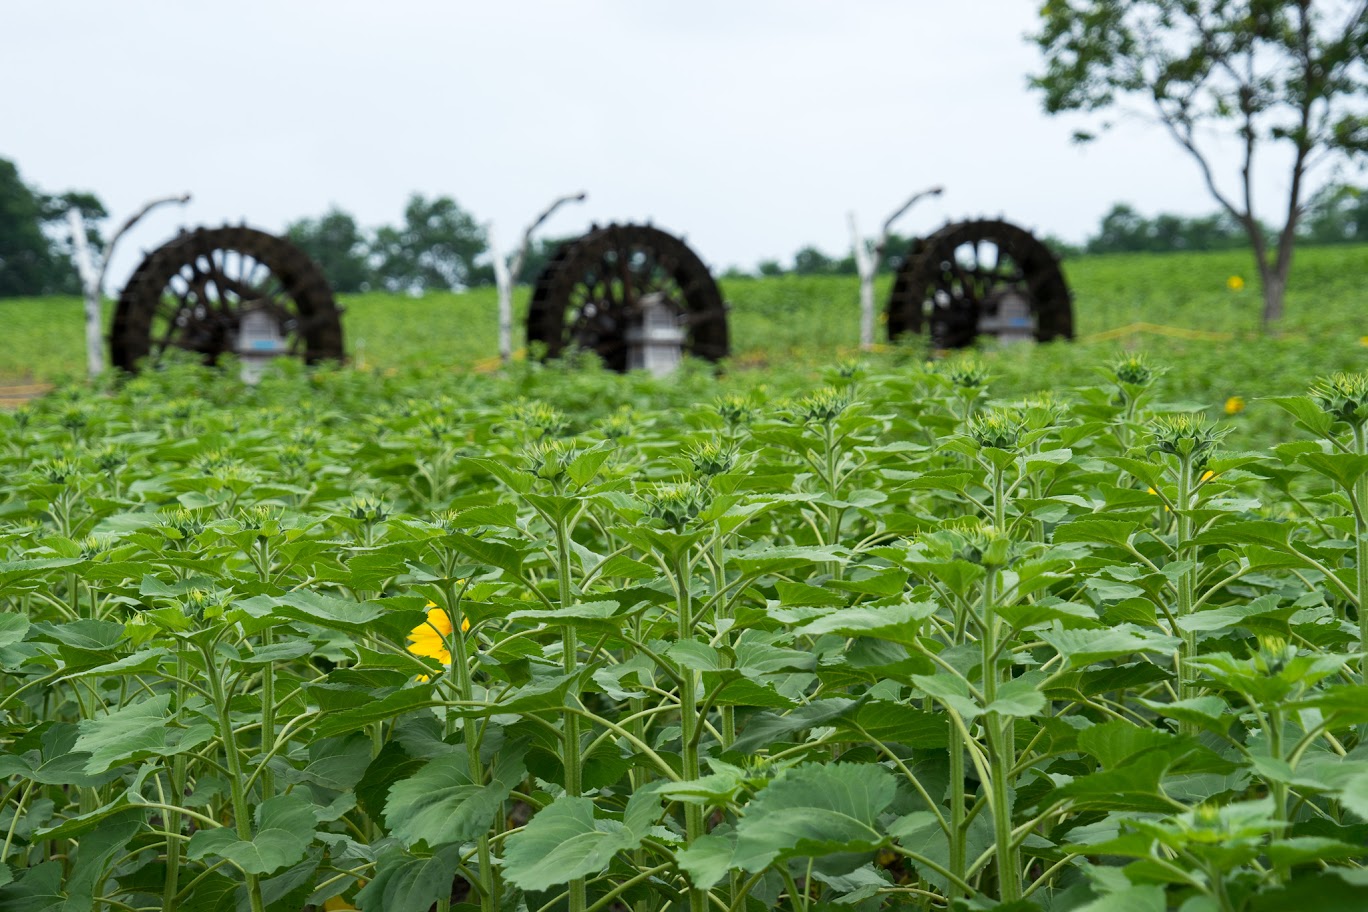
[888,223]
[129,223]
[521,257]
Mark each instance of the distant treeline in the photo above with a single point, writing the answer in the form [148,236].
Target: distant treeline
[1338,214]
[437,245]
[440,246]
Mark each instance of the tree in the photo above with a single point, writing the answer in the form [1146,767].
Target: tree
[1122,230]
[35,256]
[25,252]
[770,268]
[337,245]
[1289,73]
[811,261]
[437,248]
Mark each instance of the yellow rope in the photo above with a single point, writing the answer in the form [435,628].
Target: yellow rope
[1200,335]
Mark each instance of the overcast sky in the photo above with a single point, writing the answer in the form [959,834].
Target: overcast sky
[749,126]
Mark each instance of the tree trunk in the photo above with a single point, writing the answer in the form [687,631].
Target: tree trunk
[1274,290]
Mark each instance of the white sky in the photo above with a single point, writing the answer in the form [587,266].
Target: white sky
[749,126]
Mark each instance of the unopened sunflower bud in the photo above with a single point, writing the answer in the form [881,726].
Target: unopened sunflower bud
[983,544]
[676,505]
[997,428]
[1043,410]
[966,373]
[735,410]
[56,471]
[850,370]
[711,458]
[1274,652]
[184,521]
[821,407]
[548,458]
[212,461]
[292,457]
[543,419]
[74,419]
[437,426]
[264,519]
[110,459]
[1185,436]
[616,425]
[95,546]
[1343,397]
[1134,370]
[202,605]
[368,509]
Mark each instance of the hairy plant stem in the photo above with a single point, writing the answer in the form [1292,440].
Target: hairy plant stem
[999,503]
[460,671]
[959,846]
[728,712]
[1001,737]
[570,721]
[1360,498]
[688,720]
[1276,787]
[1187,684]
[241,813]
[833,512]
[268,720]
[173,818]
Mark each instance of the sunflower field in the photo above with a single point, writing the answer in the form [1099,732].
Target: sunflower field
[889,637]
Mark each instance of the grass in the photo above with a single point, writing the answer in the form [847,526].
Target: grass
[810,320]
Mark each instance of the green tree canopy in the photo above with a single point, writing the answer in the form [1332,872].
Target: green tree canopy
[1125,230]
[438,247]
[35,247]
[339,247]
[1268,72]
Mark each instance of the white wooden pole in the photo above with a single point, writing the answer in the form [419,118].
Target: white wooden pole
[90,287]
[865,266]
[867,263]
[511,270]
[503,281]
[92,281]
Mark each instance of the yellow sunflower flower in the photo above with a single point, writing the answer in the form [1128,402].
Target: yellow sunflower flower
[1234,405]
[1235,283]
[431,638]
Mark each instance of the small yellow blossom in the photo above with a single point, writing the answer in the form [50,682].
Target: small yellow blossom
[1208,475]
[1363,340]
[430,639]
[1234,405]
[1235,283]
